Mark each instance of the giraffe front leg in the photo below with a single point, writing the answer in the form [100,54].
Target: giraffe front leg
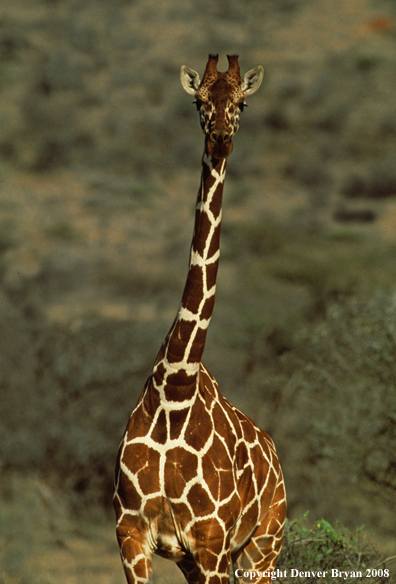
[189,568]
[212,554]
[135,554]
[210,571]
[258,559]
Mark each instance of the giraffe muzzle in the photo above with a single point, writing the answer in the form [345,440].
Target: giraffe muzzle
[220,136]
[219,143]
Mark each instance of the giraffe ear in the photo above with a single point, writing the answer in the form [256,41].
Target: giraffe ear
[252,80]
[189,80]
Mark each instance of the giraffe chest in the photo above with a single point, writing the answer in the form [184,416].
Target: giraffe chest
[196,481]
[195,465]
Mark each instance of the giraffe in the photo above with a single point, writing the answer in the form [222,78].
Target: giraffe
[196,480]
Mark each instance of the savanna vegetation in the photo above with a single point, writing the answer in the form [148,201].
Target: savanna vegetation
[99,164]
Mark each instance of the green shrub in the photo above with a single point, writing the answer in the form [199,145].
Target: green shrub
[323,548]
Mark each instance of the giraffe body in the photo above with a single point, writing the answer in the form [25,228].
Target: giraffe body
[196,481]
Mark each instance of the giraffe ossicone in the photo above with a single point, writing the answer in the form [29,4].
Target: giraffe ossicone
[196,480]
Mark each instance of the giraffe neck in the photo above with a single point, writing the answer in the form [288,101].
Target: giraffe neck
[177,365]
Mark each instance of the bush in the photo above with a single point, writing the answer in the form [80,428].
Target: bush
[330,405]
[323,547]
[348,360]
[65,404]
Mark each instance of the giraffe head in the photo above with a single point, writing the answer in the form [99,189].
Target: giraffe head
[220,99]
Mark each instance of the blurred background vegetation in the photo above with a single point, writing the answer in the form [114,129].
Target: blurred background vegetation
[99,167]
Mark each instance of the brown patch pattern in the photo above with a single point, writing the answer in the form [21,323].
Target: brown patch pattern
[196,480]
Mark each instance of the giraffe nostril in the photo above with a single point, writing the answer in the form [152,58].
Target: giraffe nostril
[219,137]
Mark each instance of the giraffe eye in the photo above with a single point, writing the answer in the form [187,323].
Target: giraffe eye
[242,106]
[198,104]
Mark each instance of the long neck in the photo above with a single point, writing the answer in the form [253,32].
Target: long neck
[182,351]
[187,337]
